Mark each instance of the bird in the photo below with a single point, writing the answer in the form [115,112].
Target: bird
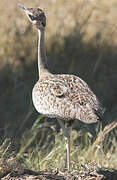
[65,97]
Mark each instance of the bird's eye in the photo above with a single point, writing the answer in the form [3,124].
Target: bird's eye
[32,17]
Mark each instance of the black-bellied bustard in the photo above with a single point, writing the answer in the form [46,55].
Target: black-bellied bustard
[65,97]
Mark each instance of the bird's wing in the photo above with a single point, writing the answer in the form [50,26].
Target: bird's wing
[74,90]
[78,92]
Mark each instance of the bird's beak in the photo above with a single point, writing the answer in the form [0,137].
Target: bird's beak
[28,13]
[21,6]
[25,9]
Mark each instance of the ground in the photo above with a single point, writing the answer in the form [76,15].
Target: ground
[17,171]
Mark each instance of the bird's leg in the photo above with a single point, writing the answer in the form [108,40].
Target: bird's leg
[69,127]
[66,132]
[62,125]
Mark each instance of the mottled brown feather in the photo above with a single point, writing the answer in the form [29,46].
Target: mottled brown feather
[67,97]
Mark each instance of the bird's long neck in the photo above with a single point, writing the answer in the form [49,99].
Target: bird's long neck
[42,59]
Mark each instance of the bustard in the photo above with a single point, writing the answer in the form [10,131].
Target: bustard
[62,96]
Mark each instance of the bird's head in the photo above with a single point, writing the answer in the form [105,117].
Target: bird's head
[35,15]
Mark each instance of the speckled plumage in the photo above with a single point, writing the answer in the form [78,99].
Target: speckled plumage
[66,97]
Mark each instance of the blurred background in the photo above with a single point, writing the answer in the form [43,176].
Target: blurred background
[81,39]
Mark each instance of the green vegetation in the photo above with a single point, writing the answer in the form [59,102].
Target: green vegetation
[81,38]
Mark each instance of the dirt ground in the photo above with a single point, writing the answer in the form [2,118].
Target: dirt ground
[86,172]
